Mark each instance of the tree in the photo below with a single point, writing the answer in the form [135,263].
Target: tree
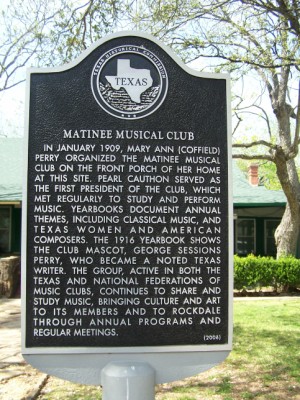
[48,33]
[261,36]
[80,25]
[23,28]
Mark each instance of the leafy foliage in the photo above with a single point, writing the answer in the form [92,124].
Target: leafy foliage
[253,272]
[267,173]
[77,27]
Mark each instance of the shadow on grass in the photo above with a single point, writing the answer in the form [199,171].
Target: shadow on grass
[274,350]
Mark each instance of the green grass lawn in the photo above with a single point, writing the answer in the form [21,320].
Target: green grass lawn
[267,336]
[264,363]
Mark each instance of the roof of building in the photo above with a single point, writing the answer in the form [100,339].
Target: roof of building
[245,195]
[11,167]
[11,162]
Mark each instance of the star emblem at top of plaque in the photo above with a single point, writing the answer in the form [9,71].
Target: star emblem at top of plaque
[129,82]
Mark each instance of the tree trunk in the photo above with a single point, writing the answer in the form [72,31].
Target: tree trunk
[286,235]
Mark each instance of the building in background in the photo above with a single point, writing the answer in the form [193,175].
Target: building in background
[11,167]
[257,213]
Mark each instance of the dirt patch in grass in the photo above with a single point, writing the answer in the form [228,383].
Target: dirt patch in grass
[221,383]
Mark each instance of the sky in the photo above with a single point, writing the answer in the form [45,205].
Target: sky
[12,109]
[11,102]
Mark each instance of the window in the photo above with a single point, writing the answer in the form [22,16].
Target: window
[245,236]
[5,227]
[270,228]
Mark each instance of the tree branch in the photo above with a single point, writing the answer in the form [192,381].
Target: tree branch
[253,157]
[295,145]
[256,143]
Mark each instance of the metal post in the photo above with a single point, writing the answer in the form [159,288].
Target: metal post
[128,381]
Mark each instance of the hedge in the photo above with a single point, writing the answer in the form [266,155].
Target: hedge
[254,272]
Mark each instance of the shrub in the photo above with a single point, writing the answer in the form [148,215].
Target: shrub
[255,272]
[288,272]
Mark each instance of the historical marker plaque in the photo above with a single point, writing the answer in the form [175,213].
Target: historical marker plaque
[128,221]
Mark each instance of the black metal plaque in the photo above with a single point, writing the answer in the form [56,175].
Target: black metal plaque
[127,203]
